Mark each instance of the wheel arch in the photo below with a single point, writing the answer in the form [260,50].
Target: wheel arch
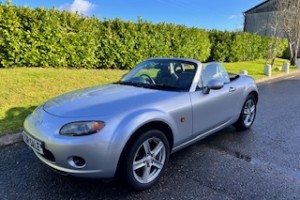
[239,124]
[159,125]
[255,94]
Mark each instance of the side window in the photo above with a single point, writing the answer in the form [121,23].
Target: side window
[212,71]
[223,73]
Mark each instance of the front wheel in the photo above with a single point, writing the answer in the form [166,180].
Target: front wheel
[247,115]
[146,160]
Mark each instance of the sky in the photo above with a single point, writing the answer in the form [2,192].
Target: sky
[206,14]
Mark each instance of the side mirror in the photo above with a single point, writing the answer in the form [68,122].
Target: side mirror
[213,84]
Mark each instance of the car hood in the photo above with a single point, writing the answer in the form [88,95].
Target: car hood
[103,101]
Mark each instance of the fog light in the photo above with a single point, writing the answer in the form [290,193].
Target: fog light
[76,161]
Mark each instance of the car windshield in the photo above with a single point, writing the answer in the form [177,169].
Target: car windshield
[162,74]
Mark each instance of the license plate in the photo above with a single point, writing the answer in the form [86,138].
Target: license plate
[33,143]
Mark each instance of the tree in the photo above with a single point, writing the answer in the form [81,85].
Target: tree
[274,27]
[289,20]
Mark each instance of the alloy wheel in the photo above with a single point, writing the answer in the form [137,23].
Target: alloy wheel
[249,112]
[149,160]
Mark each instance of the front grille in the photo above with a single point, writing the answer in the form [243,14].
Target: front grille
[48,155]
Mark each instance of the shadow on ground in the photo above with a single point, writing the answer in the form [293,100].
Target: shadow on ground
[14,118]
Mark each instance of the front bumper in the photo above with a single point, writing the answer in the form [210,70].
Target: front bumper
[97,152]
[73,172]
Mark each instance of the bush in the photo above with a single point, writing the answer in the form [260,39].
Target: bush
[221,45]
[43,38]
[239,46]
[52,38]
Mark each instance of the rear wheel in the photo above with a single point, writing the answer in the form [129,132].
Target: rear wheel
[247,115]
[146,160]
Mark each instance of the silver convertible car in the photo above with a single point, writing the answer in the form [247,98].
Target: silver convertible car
[131,127]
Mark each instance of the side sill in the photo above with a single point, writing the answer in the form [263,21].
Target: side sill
[201,136]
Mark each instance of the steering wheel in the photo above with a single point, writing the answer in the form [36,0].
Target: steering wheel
[148,78]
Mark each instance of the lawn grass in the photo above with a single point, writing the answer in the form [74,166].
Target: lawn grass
[23,89]
[255,68]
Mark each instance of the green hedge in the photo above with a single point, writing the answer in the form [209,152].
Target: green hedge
[42,38]
[239,46]
[123,44]
[51,38]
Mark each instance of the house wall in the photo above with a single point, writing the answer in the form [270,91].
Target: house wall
[264,23]
[258,19]
[257,23]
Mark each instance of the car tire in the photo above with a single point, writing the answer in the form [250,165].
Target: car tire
[146,160]
[247,115]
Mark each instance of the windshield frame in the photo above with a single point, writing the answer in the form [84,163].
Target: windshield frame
[125,80]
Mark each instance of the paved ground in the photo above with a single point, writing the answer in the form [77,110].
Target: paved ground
[262,163]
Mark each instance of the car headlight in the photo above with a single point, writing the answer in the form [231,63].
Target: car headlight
[81,128]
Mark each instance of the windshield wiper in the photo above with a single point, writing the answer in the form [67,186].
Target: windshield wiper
[150,86]
[131,83]
[163,87]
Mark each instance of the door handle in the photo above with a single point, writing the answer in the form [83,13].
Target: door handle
[232,89]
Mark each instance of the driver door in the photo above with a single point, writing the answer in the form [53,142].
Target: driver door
[215,109]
